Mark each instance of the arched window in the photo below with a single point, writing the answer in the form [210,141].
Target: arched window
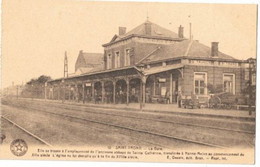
[109,61]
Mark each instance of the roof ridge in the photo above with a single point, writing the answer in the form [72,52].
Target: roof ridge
[188,49]
[138,29]
[148,55]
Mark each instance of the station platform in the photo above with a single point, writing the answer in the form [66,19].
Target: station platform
[167,109]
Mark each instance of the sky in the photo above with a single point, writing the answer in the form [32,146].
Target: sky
[36,34]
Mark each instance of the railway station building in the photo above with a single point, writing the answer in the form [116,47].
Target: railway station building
[151,64]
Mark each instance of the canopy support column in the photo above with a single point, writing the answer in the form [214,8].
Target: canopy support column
[114,92]
[93,91]
[83,92]
[127,91]
[102,91]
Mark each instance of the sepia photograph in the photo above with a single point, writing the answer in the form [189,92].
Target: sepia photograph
[128,81]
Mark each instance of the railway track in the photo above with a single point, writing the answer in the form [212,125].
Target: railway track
[81,109]
[165,121]
[76,119]
[68,107]
[132,129]
[26,131]
[95,128]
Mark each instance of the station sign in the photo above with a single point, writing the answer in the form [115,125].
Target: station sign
[162,79]
[88,84]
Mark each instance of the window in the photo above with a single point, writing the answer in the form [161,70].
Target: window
[109,61]
[117,60]
[229,83]
[253,79]
[127,57]
[200,82]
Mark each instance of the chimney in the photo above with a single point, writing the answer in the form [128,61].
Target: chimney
[148,28]
[180,34]
[122,30]
[214,49]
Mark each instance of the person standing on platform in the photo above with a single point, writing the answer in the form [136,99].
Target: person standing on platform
[167,97]
[179,99]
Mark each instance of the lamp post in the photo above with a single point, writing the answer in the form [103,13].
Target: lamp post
[142,93]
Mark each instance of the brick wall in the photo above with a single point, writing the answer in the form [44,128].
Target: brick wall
[214,77]
[138,51]
[122,50]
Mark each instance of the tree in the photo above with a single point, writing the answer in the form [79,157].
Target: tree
[40,80]
[35,87]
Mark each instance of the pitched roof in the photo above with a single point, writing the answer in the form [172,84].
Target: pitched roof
[200,50]
[88,62]
[185,48]
[92,58]
[156,32]
[83,70]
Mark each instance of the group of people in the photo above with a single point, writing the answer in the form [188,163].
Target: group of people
[121,97]
[108,98]
[178,98]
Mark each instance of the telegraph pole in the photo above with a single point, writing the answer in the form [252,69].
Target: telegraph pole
[45,91]
[190,27]
[65,65]
[17,89]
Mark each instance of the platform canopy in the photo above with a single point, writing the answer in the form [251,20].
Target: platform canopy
[160,69]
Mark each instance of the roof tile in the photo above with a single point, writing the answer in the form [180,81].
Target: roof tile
[184,48]
[156,31]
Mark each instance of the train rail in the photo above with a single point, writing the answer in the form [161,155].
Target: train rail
[190,141]
[167,121]
[95,128]
[26,131]
[68,107]
[83,109]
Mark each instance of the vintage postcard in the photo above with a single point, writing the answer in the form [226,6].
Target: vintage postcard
[128,81]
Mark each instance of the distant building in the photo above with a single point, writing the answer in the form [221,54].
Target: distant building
[152,64]
[88,62]
[14,90]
